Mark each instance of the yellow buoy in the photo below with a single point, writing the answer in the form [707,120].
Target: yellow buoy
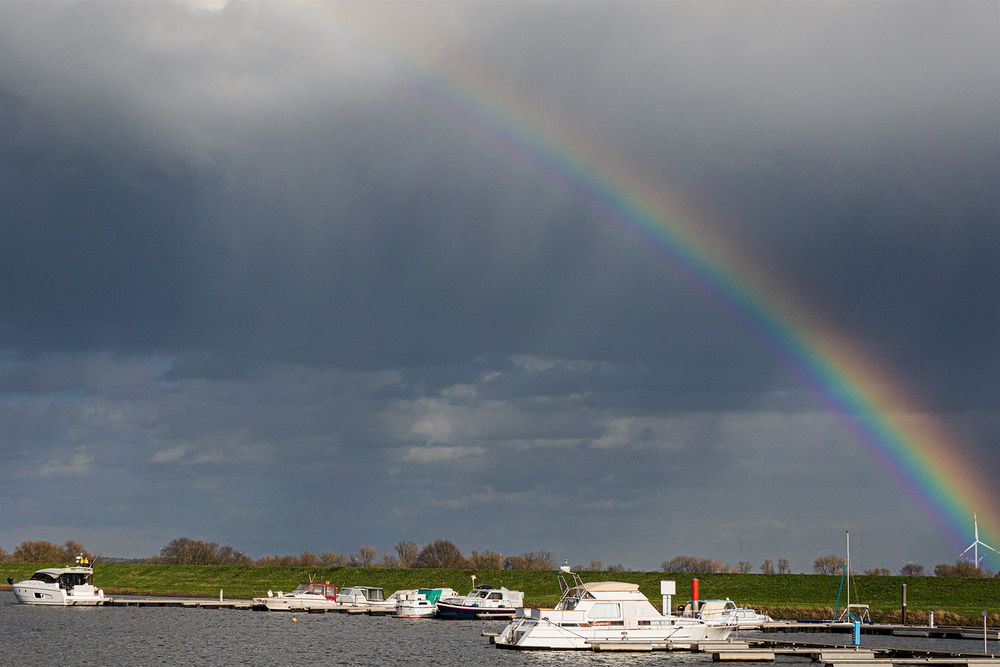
[294,620]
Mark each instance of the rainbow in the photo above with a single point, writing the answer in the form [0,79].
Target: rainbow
[910,446]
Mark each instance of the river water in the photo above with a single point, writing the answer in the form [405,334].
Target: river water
[138,636]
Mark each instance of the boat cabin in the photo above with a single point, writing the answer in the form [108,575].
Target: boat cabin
[66,578]
[496,595]
[360,594]
[709,609]
[327,590]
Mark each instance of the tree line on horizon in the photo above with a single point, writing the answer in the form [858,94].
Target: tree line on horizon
[445,554]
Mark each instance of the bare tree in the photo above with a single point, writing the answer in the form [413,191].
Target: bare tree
[828,564]
[366,555]
[487,560]
[767,567]
[388,561]
[783,566]
[536,560]
[912,570]
[744,567]
[595,566]
[961,568]
[332,559]
[878,572]
[693,565]
[37,551]
[440,553]
[406,552]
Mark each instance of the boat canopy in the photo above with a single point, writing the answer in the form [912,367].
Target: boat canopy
[609,587]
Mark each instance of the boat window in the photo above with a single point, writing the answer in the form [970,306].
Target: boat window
[605,610]
[42,576]
[72,579]
[496,596]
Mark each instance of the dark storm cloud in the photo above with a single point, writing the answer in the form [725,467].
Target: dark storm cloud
[250,260]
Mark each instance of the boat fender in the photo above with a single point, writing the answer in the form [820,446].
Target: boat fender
[10,581]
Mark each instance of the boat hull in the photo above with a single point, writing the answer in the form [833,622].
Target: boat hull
[292,604]
[523,634]
[36,593]
[456,612]
[409,610]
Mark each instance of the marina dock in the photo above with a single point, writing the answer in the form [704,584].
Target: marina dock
[206,603]
[763,650]
[924,631]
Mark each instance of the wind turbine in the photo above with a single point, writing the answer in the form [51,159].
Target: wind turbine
[975,545]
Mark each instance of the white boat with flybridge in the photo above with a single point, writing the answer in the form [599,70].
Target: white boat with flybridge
[422,602]
[60,586]
[607,615]
[308,595]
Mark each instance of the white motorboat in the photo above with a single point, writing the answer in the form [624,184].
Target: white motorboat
[371,598]
[422,602]
[747,618]
[725,610]
[309,595]
[60,586]
[483,603]
[604,614]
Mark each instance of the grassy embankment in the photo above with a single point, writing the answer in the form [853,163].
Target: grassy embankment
[954,600]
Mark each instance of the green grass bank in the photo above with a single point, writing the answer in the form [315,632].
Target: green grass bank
[954,600]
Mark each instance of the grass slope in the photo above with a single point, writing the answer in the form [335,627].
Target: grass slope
[784,596]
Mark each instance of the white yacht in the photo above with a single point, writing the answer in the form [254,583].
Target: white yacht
[604,614]
[60,586]
[422,602]
[309,595]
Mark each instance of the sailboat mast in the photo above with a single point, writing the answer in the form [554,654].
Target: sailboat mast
[848,570]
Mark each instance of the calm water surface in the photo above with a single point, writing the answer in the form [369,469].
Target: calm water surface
[138,636]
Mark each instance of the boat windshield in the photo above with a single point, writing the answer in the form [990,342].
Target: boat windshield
[310,588]
[568,603]
[44,576]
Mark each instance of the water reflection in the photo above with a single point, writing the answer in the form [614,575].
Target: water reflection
[167,636]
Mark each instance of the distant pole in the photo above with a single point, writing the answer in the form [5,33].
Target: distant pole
[985,650]
[904,604]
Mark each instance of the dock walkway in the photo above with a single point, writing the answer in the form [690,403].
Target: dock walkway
[207,603]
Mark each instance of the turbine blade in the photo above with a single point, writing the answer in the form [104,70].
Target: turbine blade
[966,549]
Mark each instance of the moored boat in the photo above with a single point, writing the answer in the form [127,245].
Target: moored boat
[422,602]
[483,602]
[308,595]
[725,610]
[60,586]
[608,614]
[371,598]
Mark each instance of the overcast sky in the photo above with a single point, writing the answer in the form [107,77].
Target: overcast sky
[262,284]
